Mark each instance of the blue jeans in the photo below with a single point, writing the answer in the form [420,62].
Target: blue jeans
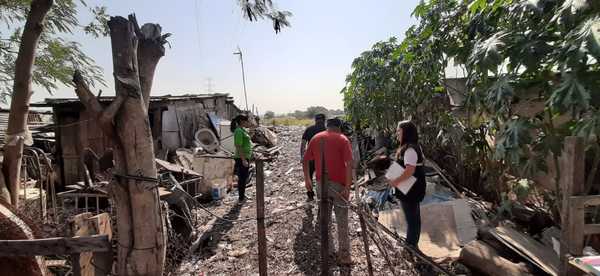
[412,212]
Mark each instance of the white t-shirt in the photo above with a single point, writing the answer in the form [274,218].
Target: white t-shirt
[410,157]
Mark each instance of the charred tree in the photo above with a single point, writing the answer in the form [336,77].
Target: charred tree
[141,236]
[19,105]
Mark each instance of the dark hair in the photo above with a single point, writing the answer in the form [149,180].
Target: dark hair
[236,121]
[334,122]
[410,135]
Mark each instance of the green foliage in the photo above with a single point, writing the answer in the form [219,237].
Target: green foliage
[311,111]
[288,121]
[269,115]
[56,58]
[261,9]
[512,52]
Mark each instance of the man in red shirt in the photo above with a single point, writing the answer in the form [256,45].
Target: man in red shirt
[337,153]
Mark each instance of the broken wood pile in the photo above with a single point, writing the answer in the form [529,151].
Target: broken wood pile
[514,238]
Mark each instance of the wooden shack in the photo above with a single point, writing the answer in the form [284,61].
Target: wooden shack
[173,121]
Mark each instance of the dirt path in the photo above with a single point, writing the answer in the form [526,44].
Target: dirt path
[292,237]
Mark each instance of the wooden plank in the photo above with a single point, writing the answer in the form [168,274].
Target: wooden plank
[79,226]
[102,261]
[54,246]
[175,168]
[538,254]
[571,184]
[591,200]
[73,194]
[591,229]
[260,218]
[82,263]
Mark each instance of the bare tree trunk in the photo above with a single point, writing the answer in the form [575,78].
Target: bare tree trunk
[141,236]
[19,105]
[145,250]
[150,50]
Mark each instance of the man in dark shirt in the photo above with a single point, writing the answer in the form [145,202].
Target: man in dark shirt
[309,133]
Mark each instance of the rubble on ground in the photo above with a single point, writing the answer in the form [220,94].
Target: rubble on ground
[292,233]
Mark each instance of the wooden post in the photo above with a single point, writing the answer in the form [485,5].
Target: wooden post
[324,214]
[365,238]
[571,184]
[363,226]
[260,217]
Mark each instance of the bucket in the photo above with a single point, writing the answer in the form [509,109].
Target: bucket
[218,193]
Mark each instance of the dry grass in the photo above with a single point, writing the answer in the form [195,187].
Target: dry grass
[288,121]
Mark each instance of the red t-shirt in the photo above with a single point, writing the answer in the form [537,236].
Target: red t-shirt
[338,155]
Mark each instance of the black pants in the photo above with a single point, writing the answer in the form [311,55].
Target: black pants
[242,173]
[412,212]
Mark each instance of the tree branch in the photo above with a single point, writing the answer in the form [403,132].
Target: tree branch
[92,104]
[150,50]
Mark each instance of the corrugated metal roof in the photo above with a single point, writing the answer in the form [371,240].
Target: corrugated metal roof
[34,120]
[62,101]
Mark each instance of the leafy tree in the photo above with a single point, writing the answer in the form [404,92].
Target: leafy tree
[55,61]
[56,58]
[269,115]
[261,9]
[45,58]
[544,52]
[312,111]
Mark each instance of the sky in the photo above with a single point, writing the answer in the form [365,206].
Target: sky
[302,66]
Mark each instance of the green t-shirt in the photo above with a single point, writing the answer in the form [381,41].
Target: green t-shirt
[242,139]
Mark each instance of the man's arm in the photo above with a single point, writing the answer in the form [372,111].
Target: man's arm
[305,159]
[307,178]
[347,155]
[302,148]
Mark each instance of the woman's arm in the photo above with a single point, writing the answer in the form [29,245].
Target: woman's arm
[408,172]
[410,163]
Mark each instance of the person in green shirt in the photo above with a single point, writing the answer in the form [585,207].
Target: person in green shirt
[243,152]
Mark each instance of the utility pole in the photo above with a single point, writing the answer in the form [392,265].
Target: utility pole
[239,52]
[209,85]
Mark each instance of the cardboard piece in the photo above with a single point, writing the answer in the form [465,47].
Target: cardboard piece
[445,227]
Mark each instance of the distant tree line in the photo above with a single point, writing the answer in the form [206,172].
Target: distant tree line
[309,113]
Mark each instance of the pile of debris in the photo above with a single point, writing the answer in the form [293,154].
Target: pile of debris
[230,229]
[465,230]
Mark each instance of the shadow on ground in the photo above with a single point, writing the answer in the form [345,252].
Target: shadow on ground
[306,245]
[218,231]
